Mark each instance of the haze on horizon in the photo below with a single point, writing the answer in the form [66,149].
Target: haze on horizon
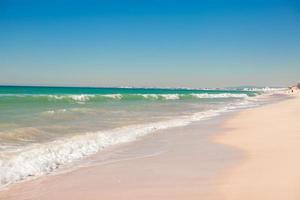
[150,43]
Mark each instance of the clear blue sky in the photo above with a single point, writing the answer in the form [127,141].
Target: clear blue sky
[150,43]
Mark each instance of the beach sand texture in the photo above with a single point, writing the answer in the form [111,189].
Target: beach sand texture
[270,139]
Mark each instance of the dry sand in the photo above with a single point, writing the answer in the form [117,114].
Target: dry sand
[270,138]
[184,163]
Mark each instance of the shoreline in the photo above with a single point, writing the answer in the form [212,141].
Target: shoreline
[164,165]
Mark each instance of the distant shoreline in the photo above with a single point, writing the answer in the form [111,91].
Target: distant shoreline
[133,87]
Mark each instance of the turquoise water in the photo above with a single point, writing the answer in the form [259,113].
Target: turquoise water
[43,128]
[91,90]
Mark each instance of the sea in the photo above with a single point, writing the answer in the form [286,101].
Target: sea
[44,128]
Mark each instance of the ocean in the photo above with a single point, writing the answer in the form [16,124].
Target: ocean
[45,128]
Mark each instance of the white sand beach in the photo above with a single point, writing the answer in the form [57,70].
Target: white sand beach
[253,156]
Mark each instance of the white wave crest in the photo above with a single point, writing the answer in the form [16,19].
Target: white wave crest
[80,98]
[113,96]
[150,96]
[221,95]
[170,96]
[265,89]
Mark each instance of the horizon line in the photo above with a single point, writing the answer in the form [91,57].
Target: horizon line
[139,87]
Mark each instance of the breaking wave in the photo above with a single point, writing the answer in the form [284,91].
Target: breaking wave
[82,98]
[264,89]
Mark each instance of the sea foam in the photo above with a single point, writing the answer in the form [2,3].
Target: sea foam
[222,95]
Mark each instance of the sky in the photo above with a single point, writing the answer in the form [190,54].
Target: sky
[161,43]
